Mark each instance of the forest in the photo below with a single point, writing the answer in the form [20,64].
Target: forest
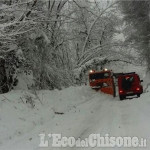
[54,43]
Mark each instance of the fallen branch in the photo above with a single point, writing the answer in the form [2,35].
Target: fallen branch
[59,113]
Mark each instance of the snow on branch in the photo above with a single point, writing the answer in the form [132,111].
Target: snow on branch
[89,65]
[3,7]
[17,33]
[95,62]
[92,25]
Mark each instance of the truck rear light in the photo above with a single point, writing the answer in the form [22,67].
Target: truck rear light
[138,89]
[120,91]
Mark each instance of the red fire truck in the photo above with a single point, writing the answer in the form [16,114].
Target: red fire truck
[128,83]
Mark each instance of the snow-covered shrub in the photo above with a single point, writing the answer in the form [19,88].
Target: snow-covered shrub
[13,64]
[45,64]
[29,100]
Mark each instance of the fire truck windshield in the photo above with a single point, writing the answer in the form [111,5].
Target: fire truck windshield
[96,76]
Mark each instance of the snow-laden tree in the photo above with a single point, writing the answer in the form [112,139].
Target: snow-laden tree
[47,49]
[10,28]
[93,31]
[137,16]
[57,36]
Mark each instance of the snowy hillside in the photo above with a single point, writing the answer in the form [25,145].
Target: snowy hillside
[75,111]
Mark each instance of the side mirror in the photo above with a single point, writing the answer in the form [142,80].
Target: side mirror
[105,85]
[141,80]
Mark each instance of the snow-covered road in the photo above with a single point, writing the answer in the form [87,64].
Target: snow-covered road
[85,112]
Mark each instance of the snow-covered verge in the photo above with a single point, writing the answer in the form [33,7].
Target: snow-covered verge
[75,111]
[19,116]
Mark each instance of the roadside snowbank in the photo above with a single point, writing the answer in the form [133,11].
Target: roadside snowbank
[18,117]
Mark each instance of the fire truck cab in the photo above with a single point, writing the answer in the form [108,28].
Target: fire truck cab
[102,80]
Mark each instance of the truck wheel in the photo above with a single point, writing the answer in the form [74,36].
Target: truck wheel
[122,97]
[138,95]
[96,89]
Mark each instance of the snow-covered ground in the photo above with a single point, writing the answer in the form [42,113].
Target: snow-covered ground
[84,111]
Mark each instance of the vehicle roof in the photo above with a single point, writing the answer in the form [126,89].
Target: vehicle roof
[100,72]
[126,75]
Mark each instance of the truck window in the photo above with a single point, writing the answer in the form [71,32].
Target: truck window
[127,82]
[99,76]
